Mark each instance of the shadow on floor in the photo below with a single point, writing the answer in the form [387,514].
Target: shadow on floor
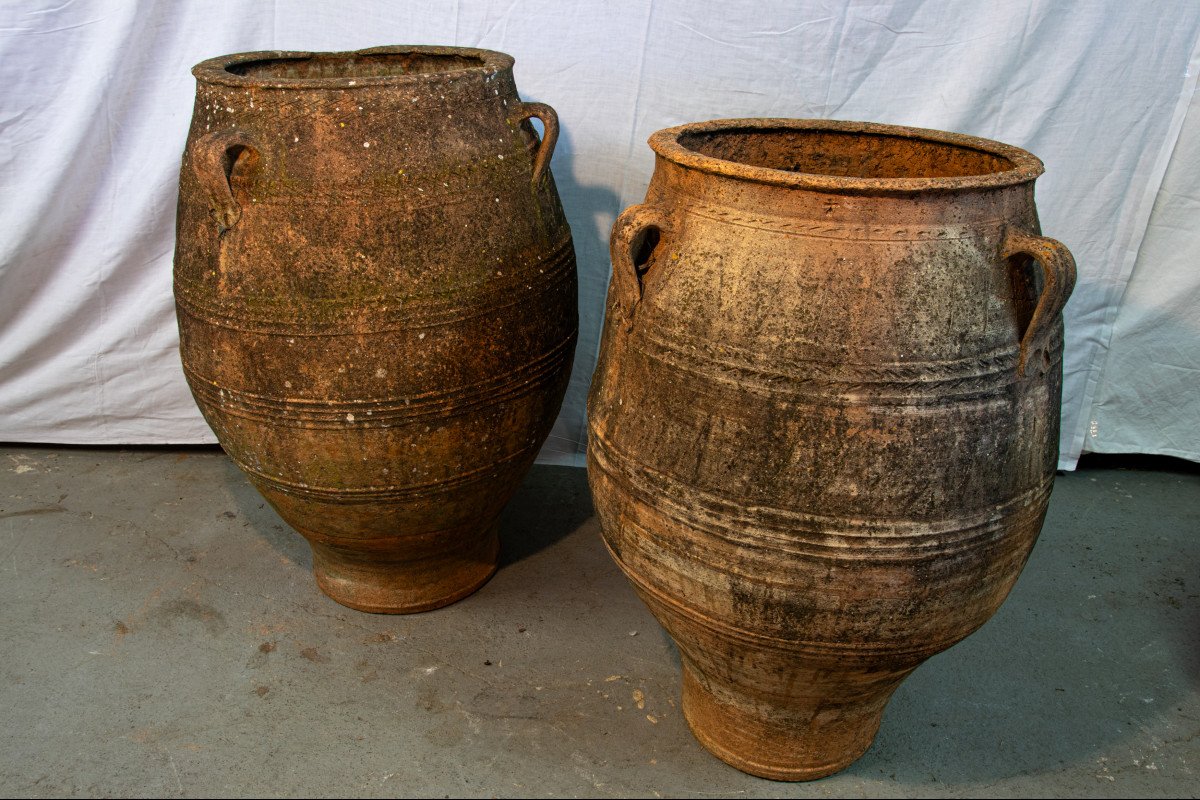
[264,520]
[551,503]
[1071,669]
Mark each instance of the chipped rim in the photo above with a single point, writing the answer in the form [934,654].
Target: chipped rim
[216,70]
[1026,166]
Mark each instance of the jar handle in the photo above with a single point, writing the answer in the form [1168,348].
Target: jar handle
[549,119]
[628,237]
[1058,271]
[216,159]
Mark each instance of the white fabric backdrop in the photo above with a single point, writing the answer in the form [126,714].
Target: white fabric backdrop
[97,96]
[1148,398]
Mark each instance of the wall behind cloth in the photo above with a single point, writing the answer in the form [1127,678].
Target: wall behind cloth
[97,97]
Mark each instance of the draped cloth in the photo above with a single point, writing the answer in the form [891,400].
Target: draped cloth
[97,97]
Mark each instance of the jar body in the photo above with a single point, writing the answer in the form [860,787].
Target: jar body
[814,447]
[377,305]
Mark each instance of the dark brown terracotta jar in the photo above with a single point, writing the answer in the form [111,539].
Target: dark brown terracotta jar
[824,426]
[376,294]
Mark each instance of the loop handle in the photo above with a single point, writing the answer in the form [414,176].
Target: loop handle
[628,235]
[217,159]
[541,161]
[1058,271]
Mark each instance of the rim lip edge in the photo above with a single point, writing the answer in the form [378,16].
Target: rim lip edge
[216,70]
[1026,167]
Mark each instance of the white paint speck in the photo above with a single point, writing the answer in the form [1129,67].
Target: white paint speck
[421,336]
[366,144]
[349,418]
[501,157]
[295,138]
[287,384]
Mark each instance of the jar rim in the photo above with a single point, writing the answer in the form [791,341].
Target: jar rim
[1025,167]
[218,70]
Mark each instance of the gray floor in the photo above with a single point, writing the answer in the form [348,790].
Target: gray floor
[162,636]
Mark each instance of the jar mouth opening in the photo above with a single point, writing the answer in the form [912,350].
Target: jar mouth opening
[374,66]
[354,65]
[848,156]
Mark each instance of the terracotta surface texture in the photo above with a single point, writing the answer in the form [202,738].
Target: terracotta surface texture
[376,294]
[824,426]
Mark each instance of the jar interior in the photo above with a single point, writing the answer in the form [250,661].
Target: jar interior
[352,65]
[844,153]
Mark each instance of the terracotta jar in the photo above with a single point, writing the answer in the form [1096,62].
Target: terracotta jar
[824,426]
[376,295]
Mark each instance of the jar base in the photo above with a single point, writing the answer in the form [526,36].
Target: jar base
[399,587]
[787,745]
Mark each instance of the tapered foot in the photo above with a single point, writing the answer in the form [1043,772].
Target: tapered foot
[795,743]
[380,583]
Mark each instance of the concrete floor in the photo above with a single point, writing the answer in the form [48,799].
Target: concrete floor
[162,636]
